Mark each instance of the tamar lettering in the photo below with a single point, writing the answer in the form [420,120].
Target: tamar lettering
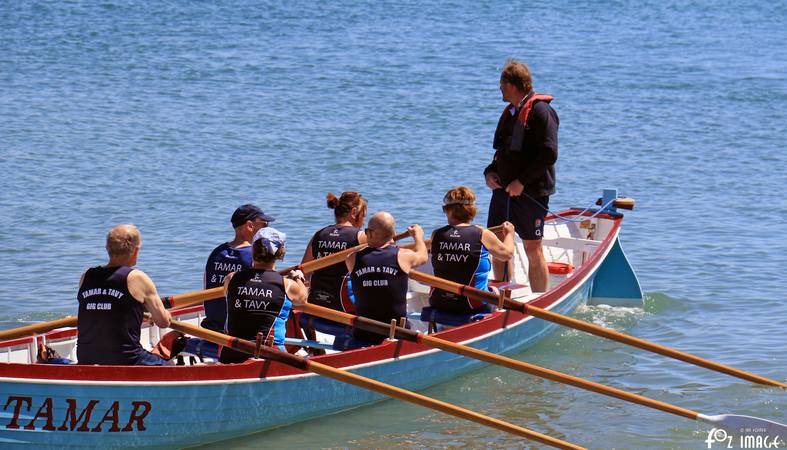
[76,418]
[71,413]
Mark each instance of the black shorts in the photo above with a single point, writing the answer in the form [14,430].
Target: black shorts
[525,213]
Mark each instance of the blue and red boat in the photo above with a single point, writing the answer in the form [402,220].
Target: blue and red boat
[52,406]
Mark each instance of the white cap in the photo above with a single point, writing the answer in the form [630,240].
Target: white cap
[271,239]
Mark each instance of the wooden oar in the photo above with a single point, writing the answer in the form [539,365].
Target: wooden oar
[621,202]
[325,261]
[189,298]
[729,421]
[495,229]
[535,311]
[367,383]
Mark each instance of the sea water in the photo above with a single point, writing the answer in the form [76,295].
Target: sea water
[170,115]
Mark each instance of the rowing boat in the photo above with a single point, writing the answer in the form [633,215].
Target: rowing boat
[49,405]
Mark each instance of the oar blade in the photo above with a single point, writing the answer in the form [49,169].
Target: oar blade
[739,424]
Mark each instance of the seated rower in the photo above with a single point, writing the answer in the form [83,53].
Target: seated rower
[460,253]
[259,299]
[379,273]
[326,285]
[112,301]
[230,257]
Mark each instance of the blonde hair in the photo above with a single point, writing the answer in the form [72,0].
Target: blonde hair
[123,240]
[460,203]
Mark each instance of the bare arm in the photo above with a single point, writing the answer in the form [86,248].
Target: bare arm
[350,262]
[500,250]
[413,258]
[296,290]
[141,287]
[307,255]
[227,283]
[361,237]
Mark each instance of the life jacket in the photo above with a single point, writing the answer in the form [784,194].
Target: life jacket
[513,141]
[524,113]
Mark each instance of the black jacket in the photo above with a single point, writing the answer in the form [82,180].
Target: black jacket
[527,153]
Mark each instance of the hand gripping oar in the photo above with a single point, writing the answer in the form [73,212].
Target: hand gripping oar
[367,383]
[189,298]
[325,261]
[728,421]
[535,311]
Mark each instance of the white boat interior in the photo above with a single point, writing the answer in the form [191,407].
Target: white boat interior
[567,245]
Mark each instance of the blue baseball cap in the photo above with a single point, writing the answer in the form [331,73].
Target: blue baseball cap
[248,212]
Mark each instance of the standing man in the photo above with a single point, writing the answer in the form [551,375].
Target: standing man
[230,257]
[112,301]
[379,273]
[522,173]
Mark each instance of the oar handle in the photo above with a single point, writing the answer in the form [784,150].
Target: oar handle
[535,311]
[197,297]
[367,383]
[38,328]
[334,258]
[622,203]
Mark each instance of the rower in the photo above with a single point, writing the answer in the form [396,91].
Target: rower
[230,257]
[112,302]
[379,273]
[328,286]
[259,299]
[460,253]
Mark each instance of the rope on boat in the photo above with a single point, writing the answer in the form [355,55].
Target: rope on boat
[562,219]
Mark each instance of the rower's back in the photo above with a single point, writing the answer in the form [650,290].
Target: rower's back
[380,288]
[110,318]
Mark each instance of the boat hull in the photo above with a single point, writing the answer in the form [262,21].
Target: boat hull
[92,406]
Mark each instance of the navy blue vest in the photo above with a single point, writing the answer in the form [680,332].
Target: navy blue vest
[326,284]
[458,255]
[109,318]
[223,260]
[380,288]
[256,302]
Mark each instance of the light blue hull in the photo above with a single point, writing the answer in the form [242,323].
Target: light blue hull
[184,412]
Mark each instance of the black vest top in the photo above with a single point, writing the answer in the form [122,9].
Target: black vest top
[109,320]
[326,284]
[458,255]
[222,261]
[380,288]
[256,301]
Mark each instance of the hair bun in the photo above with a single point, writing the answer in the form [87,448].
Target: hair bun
[333,202]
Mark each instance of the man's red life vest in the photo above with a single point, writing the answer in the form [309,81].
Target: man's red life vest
[524,113]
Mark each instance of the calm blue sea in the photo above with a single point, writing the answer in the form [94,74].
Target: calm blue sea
[171,114]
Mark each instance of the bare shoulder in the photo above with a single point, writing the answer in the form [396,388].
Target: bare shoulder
[138,276]
[140,285]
